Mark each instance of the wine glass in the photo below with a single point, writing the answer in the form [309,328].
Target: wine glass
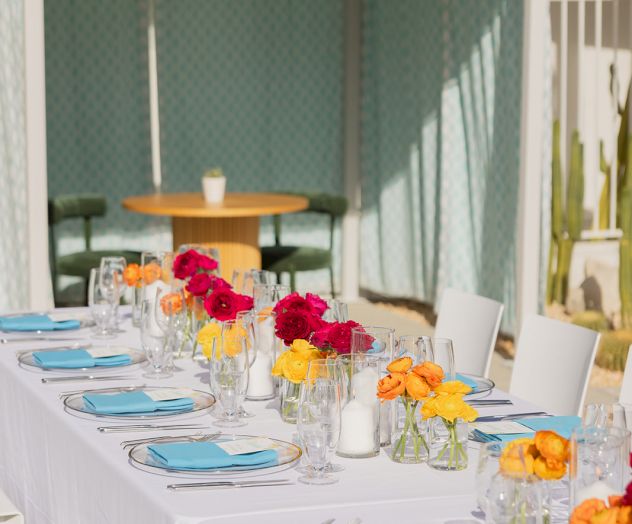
[100,306]
[245,280]
[229,372]
[267,295]
[153,340]
[318,423]
[444,356]
[111,282]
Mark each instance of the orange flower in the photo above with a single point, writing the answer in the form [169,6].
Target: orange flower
[606,516]
[391,386]
[549,469]
[585,511]
[625,515]
[512,463]
[171,304]
[416,386]
[615,500]
[431,372]
[400,365]
[132,275]
[151,273]
[551,445]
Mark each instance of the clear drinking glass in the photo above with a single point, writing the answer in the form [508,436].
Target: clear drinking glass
[444,356]
[111,282]
[171,316]
[157,272]
[153,340]
[318,424]
[100,306]
[426,344]
[267,295]
[264,343]
[229,372]
[245,280]
[411,346]
[336,311]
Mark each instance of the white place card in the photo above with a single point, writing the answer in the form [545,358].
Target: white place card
[501,427]
[246,445]
[169,394]
[107,351]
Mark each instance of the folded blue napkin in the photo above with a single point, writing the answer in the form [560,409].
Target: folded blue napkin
[133,402]
[76,359]
[36,323]
[207,455]
[563,425]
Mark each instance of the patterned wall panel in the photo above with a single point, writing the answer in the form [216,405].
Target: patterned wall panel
[441,107]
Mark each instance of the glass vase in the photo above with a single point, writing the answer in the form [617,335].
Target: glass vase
[448,444]
[408,432]
[289,401]
[137,293]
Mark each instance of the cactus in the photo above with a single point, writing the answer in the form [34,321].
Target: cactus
[604,198]
[625,246]
[613,349]
[594,320]
[557,222]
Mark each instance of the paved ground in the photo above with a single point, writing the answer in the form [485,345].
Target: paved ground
[604,386]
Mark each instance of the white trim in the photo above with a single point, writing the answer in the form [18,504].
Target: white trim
[351,166]
[40,290]
[532,131]
[154,107]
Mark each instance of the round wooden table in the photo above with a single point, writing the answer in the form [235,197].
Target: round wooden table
[232,226]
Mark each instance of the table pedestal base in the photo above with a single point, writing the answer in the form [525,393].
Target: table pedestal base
[236,238]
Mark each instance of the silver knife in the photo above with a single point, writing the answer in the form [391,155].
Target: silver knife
[490,403]
[148,427]
[79,378]
[65,394]
[198,437]
[32,339]
[229,484]
[510,416]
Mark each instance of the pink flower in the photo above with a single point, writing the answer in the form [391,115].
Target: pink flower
[218,282]
[224,304]
[320,338]
[294,302]
[296,324]
[188,263]
[206,263]
[335,336]
[199,284]
[318,304]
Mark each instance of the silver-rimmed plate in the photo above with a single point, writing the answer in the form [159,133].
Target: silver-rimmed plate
[483,385]
[141,458]
[75,405]
[27,361]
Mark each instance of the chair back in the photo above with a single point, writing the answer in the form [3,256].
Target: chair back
[334,206]
[472,323]
[85,205]
[553,363]
[625,394]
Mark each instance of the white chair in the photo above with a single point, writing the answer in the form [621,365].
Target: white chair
[472,323]
[8,512]
[553,363]
[625,394]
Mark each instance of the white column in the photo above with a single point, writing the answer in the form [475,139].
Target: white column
[532,130]
[351,222]
[40,290]
[154,108]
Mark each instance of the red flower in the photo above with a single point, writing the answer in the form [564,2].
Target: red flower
[185,265]
[224,304]
[292,325]
[199,284]
[206,263]
[218,282]
[319,306]
[627,497]
[336,336]
[293,302]
[320,338]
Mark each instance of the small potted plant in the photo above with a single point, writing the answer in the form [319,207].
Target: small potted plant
[214,186]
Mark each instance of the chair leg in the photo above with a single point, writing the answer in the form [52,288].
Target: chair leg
[331,282]
[293,281]
[279,275]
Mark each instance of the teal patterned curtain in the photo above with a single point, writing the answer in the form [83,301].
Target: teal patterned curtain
[13,196]
[441,139]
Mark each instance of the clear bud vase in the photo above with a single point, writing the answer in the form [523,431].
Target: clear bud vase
[408,432]
[448,444]
[289,401]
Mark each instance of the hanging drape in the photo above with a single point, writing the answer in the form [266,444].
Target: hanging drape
[441,139]
[13,178]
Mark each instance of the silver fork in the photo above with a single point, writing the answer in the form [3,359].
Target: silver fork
[65,394]
[197,437]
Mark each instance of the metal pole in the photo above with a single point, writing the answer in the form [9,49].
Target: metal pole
[154,109]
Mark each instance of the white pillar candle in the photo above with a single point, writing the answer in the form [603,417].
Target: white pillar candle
[598,490]
[261,382]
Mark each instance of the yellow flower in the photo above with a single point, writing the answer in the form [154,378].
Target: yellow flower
[206,336]
[453,386]
[517,459]
[277,369]
[303,348]
[449,406]
[293,363]
[295,369]
[232,338]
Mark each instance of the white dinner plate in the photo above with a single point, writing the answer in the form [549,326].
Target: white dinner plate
[26,360]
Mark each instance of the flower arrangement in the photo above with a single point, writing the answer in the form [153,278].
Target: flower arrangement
[618,510]
[334,336]
[299,317]
[138,276]
[233,333]
[545,456]
[293,363]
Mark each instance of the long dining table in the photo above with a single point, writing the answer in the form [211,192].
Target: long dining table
[57,468]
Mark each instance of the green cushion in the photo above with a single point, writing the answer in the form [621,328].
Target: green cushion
[75,206]
[280,259]
[80,264]
[334,205]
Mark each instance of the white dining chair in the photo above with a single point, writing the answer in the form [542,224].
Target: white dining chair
[8,512]
[553,363]
[625,394]
[472,323]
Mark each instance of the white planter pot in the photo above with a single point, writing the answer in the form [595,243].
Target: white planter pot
[214,189]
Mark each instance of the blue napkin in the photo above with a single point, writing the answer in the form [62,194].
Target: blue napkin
[133,402]
[77,358]
[36,323]
[207,455]
[563,425]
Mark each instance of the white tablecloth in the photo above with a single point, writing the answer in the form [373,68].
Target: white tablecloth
[58,469]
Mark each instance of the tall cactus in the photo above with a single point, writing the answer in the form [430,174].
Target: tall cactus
[625,246]
[557,221]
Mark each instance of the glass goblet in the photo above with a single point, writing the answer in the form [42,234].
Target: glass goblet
[100,306]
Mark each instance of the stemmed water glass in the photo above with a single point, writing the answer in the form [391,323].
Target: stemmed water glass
[153,340]
[229,371]
[267,295]
[111,281]
[318,423]
[245,280]
[100,306]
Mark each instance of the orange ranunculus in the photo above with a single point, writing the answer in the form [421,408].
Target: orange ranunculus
[625,514]
[400,365]
[549,469]
[417,387]
[132,275]
[151,273]
[585,511]
[606,516]
[517,459]
[391,386]
[615,500]
[171,304]
[551,445]
[431,372]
